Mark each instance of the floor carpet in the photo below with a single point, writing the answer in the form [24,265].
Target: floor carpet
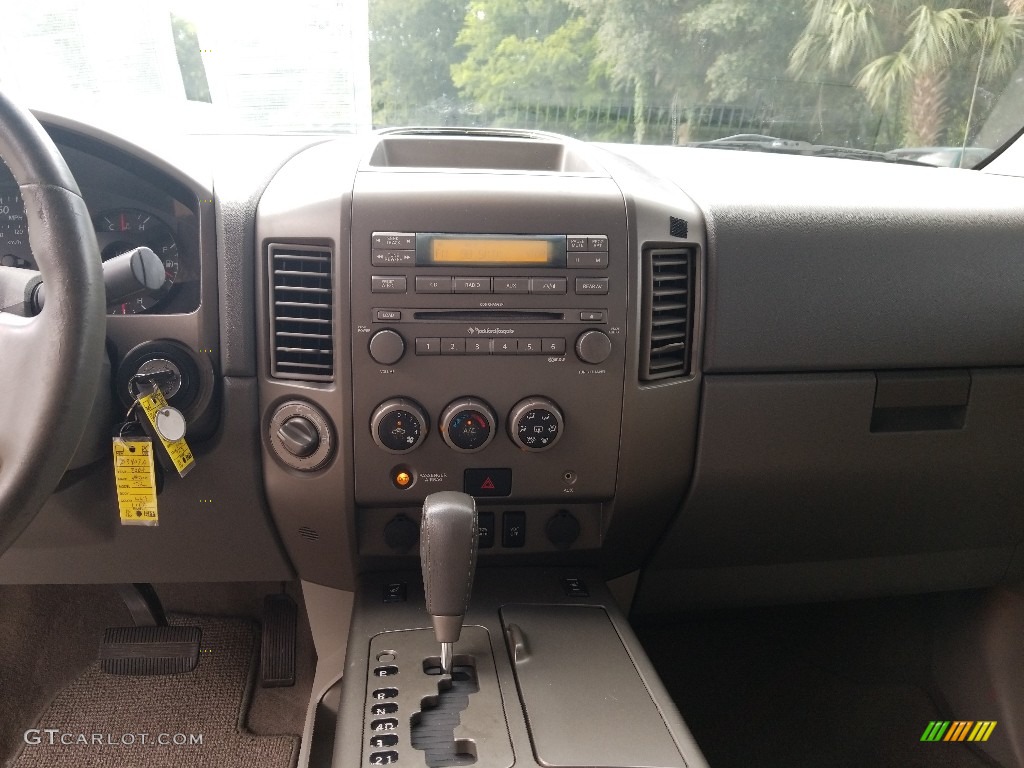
[192,720]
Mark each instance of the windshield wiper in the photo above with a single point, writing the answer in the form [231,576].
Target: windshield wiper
[758,143]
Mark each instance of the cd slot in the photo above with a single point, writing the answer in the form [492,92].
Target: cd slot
[490,316]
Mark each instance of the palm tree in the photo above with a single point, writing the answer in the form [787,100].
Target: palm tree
[903,53]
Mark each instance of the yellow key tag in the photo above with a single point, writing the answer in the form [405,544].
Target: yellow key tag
[135,477]
[159,415]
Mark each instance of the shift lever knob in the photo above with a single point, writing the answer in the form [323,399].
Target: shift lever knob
[448,542]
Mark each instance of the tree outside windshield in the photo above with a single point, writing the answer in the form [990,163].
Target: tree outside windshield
[941,81]
[872,74]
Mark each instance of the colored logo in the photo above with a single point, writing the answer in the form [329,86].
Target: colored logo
[958,730]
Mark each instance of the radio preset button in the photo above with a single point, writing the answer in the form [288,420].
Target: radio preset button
[588,260]
[381,284]
[393,240]
[553,346]
[472,285]
[591,286]
[453,346]
[529,347]
[505,346]
[549,285]
[477,346]
[428,346]
[392,258]
[433,285]
[597,243]
[576,242]
[511,285]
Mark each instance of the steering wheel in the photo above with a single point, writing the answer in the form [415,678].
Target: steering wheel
[49,364]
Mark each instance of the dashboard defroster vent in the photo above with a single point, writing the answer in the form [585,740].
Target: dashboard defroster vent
[668,313]
[301,301]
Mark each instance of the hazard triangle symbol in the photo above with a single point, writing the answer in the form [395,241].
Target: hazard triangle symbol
[487,485]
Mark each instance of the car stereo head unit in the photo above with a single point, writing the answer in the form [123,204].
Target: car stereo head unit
[487,251]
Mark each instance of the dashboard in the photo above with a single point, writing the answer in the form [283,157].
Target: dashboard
[128,210]
[751,377]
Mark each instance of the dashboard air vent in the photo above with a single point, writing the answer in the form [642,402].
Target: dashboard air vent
[668,313]
[301,294]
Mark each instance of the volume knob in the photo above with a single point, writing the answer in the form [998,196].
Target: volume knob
[593,347]
[387,347]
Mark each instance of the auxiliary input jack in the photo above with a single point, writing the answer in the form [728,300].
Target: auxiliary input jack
[569,477]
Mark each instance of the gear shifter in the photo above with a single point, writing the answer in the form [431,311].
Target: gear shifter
[448,543]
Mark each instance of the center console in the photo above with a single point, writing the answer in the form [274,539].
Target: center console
[557,679]
[500,317]
[541,666]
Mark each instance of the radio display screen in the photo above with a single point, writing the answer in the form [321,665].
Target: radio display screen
[490,251]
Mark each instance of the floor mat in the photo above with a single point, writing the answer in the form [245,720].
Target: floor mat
[192,720]
[835,685]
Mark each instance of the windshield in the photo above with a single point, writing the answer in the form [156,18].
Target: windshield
[934,82]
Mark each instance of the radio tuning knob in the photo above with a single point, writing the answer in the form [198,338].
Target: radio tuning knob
[535,424]
[593,347]
[387,347]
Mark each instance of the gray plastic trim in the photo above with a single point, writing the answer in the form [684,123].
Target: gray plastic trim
[494,588]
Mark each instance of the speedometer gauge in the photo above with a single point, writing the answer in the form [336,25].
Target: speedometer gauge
[14,250]
[123,229]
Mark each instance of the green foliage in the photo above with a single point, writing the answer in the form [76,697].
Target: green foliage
[536,62]
[685,53]
[412,49]
[909,55]
[866,73]
[539,52]
[190,60]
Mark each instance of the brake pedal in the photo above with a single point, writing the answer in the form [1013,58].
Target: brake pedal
[160,650]
[277,651]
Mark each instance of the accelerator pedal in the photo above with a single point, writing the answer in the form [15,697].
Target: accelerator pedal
[277,649]
[158,650]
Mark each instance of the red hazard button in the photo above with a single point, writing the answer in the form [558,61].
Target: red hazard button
[488,482]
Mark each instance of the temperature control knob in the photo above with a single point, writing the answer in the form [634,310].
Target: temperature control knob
[535,424]
[468,424]
[387,347]
[399,425]
[593,347]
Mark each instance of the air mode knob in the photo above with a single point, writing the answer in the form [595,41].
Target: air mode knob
[593,347]
[535,424]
